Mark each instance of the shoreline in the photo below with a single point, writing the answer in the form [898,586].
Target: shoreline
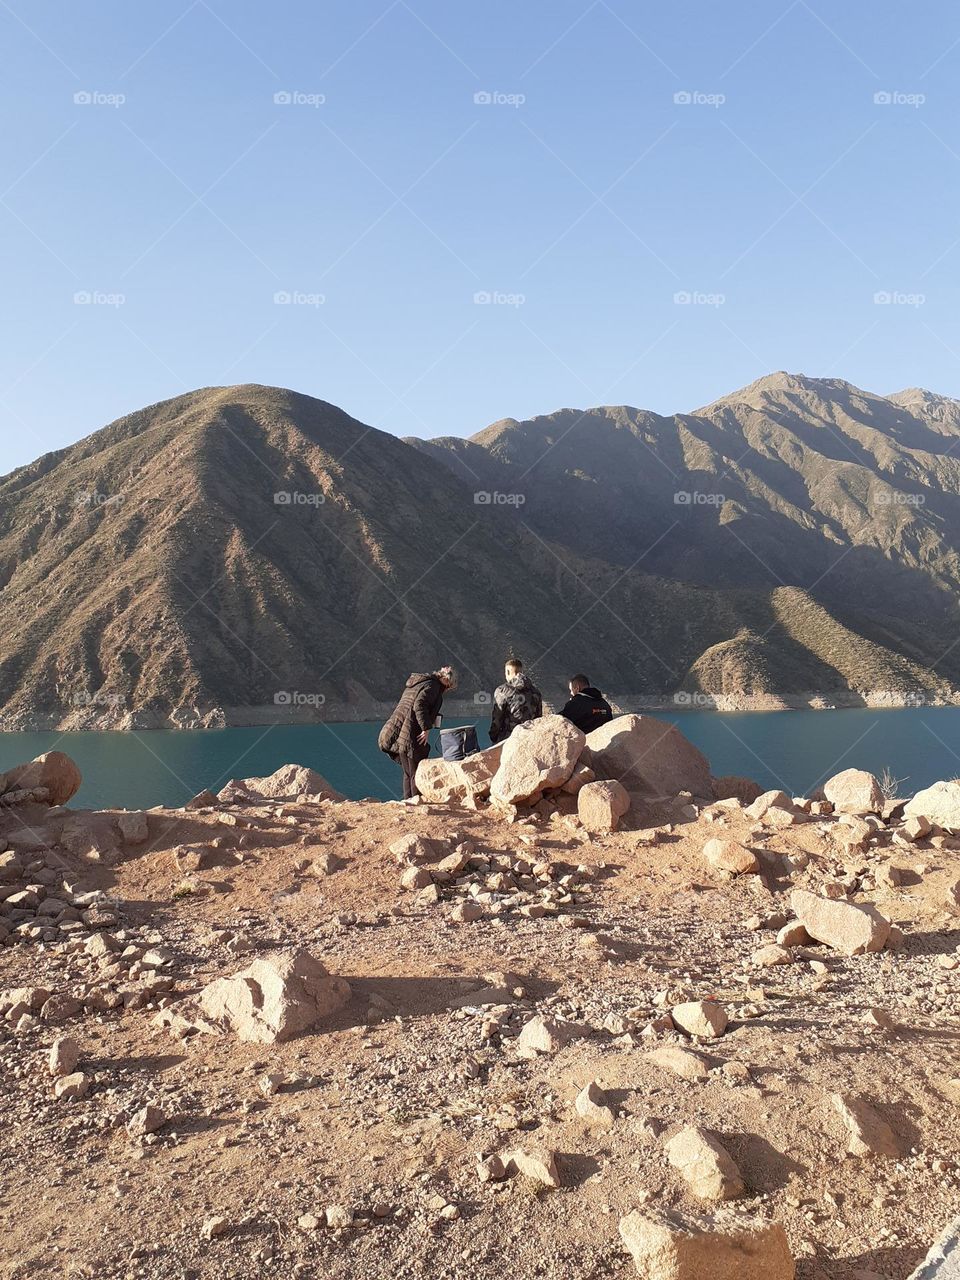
[107,720]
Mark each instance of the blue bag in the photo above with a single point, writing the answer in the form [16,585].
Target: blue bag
[456,744]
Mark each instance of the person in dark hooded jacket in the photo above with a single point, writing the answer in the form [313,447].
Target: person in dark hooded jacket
[515,701]
[405,737]
[588,708]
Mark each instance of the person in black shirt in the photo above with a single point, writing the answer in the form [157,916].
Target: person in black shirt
[515,702]
[587,708]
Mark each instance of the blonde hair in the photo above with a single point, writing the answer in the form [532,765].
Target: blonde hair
[449,674]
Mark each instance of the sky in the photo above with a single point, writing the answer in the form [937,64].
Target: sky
[438,215]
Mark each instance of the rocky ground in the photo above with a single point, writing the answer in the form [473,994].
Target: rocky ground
[500,960]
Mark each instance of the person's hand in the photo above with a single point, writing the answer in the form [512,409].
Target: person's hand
[424,738]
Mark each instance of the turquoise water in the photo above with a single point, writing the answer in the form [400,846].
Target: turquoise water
[795,750]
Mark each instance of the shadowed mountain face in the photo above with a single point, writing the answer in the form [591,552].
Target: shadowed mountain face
[248,547]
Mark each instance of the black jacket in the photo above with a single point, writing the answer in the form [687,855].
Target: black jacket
[515,702]
[588,709]
[415,713]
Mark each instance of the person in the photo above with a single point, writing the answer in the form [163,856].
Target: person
[515,701]
[587,708]
[405,737]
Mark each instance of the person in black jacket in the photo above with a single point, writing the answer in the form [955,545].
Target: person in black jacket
[588,708]
[515,701]
[405,738]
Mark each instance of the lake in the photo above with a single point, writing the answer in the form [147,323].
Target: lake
[795,750]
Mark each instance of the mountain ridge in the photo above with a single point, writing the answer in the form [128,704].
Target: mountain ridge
[201,559]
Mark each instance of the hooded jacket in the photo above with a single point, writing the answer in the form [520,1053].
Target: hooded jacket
[515,702]
[415,713]
[588,709]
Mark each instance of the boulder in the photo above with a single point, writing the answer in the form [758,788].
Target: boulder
[442,781]
[579,778]
[593,1105]
[848,927]
[289,782]
[760,807]
[868,1134]
[134,827]
[854,791]
[705,1165]
[730,856]
[682,1062]
[601,805]
[649,757]
[917,828]
[704,1018]
[541,1035]
[671,1246]
[277,997]
[939,804]
[539,754]
[53,772]
[538,1166]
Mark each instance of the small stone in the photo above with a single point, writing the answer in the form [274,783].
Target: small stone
[767,957]
[682,1062]
[147,1120]
[214,1227]
[64,1056]
[671,1246]
[466,912]
[869,1134]
[705,1165]
[308,1222]
[72,1087]
[704,1018]
[539,1166]
[730,856]
[793,935]
[594,1105]
[415,878]
[338,1216]
[541,1035]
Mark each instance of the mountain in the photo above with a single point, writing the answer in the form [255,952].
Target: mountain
[242,554]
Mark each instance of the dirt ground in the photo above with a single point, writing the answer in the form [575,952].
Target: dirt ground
[386,1109]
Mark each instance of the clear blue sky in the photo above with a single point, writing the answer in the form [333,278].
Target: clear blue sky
[583,189]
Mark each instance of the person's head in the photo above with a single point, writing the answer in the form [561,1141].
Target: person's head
[512,667]
[447,677]
[578,684]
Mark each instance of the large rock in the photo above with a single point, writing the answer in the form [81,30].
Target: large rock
[868,1134]
[54,772]
[730,856]
[705,1165]
[854,791]
[601,805]
[277,997]
[649,757]
[442,781]
[939,804]
[849,927]
[704,1018]
[539,754]
[671,1246]
[289,782]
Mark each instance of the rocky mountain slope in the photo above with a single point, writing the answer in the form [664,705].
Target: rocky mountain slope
[247,552]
